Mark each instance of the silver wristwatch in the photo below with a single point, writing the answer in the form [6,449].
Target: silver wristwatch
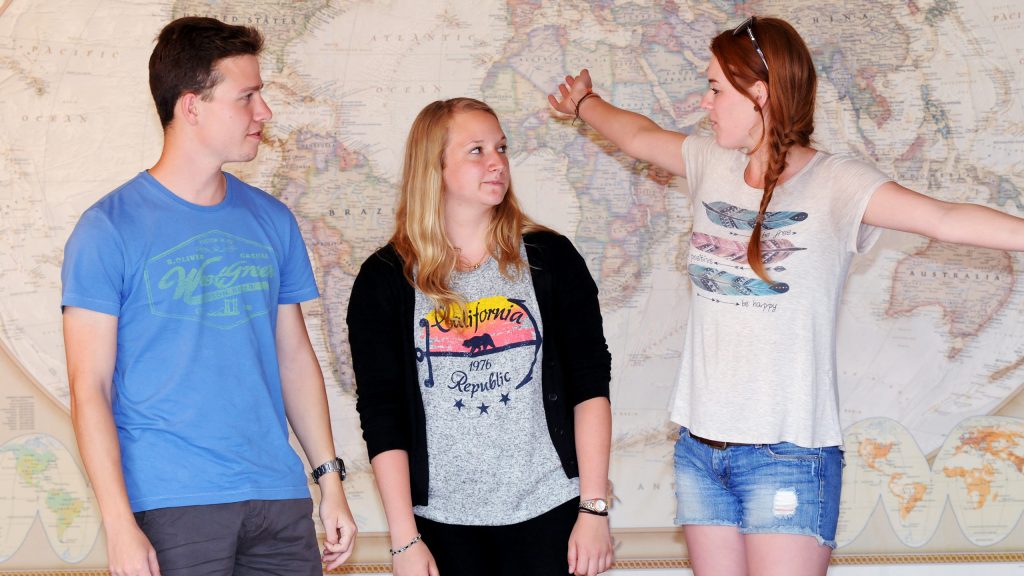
[334,465]
[596,506]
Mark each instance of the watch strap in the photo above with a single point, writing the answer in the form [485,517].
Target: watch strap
[595,506]
[333,465]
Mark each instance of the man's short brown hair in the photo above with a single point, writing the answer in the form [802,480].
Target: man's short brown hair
[186,52]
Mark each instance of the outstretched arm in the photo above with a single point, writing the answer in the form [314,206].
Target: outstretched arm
[305,403]
[90,340]
[899,208]
[636,135]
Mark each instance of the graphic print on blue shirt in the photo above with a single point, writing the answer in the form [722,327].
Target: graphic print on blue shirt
[739,222]
[482,355]
[216,278]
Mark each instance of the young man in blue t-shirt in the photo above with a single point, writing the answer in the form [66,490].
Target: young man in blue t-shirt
[187,351]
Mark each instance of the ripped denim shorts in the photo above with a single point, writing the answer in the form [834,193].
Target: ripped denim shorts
[759,488]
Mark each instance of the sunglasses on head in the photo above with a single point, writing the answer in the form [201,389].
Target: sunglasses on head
[748,26]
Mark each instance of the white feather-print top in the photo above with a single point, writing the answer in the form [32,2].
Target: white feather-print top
[759,362]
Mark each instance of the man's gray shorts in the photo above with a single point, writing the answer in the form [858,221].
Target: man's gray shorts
[240,538]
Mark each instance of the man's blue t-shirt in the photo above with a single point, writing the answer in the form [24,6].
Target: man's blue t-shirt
[196,391]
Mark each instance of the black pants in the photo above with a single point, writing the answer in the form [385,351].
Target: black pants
[537,547]
[250,538]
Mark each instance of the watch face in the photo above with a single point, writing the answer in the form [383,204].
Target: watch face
[597,505]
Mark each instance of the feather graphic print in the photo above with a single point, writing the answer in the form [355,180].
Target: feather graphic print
[772,251]
[729,216]
[726,284]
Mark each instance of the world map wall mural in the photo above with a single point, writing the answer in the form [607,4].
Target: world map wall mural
[931,340]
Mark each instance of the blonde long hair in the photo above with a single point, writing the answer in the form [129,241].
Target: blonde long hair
[792,85]
[420,238]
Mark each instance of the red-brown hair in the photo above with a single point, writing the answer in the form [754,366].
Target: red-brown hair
[788,118]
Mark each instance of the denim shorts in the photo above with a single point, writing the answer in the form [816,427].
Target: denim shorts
[761,488]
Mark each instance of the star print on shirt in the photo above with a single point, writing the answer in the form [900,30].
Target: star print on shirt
[483,408]
[459,404]
[505,399]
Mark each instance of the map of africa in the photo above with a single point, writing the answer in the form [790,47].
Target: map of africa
[931,339]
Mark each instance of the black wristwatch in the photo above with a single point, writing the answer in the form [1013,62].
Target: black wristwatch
[334,465]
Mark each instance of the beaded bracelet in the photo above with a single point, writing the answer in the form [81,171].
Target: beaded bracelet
[395,552]
[580,103]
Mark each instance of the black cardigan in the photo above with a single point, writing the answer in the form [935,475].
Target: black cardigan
[576,361]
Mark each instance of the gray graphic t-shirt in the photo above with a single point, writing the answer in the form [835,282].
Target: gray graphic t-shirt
[491,458]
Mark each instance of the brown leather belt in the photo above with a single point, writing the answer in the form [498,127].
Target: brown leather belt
[717,445]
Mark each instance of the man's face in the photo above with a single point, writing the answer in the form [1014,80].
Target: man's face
[231,120]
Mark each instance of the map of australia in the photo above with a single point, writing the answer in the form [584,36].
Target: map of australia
[970,285]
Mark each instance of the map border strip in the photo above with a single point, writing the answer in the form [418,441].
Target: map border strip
[654,563]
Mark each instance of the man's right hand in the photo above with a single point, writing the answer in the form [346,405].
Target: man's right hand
[130,553]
